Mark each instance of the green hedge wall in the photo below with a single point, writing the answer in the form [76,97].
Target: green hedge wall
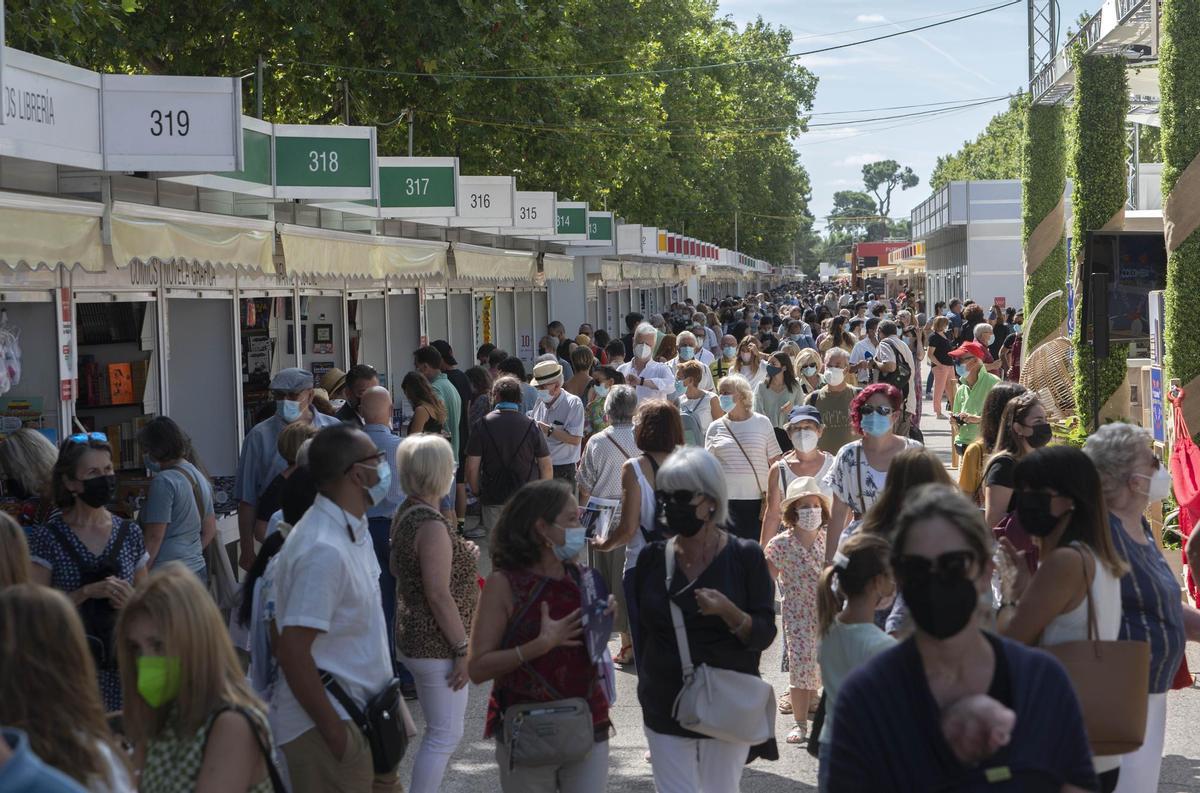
[1179,78]
[1099,192]
[1043,180]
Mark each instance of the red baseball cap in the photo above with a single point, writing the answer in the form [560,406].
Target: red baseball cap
[972,348]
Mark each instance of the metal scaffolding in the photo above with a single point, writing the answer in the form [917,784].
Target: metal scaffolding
[1043,35]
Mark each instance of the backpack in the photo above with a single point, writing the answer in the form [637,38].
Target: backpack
[98,615]
[499,482]
[901,375]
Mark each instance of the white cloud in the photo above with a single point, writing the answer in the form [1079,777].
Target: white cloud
[870,18]
[862,159]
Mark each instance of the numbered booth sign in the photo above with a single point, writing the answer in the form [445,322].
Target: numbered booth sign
[485,201]
[534,211]
[154,123]
[571,220]
[325,162]
[414,187]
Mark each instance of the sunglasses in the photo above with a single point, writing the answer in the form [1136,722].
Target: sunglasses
[376,458]
[84,437]
[950,564]
[677,496]
[883,410]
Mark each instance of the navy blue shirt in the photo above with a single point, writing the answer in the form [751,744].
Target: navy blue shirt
[24,772]
[889,736]
[1151,607]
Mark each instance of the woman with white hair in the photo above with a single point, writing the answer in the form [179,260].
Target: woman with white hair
[436,593]
[721,585]
[744,443]
[1151,610]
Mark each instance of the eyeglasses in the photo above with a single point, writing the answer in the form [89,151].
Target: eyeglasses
[84,437]
[678,496]
[883,410]
[951,563]
[376,458]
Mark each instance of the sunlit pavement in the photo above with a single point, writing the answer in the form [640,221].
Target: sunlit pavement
[473,767]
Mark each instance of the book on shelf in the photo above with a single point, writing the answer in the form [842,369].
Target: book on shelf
[123,438]
[120,383]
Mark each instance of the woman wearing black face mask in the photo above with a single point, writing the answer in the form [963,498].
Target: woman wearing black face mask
[1060,503]
[723,589]
[1023,428]
[954,707]
[89,553]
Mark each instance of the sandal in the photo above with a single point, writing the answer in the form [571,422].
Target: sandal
[785,703]
[625,656]
[798,735]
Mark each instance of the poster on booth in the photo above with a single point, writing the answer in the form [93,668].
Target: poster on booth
[1157,421]
[525,346]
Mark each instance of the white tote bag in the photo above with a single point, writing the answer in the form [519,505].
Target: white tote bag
[720,703]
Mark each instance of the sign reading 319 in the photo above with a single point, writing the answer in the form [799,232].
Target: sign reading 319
[178,124]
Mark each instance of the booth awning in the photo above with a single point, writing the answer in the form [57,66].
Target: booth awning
[478,263]
[557,267]
[315,251]
[610,271]
[37,231]
[141,232]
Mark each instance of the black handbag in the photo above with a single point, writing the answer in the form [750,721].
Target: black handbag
[382,722]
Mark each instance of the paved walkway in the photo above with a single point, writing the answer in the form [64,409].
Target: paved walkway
[473,767]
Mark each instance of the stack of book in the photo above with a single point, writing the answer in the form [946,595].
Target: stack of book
[121,383]
[122,436]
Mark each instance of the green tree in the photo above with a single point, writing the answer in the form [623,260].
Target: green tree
[853,212]
[882,178]
[994,154]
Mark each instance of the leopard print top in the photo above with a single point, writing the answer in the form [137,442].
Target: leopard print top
[417,631]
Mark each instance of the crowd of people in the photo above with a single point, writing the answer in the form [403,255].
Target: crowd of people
[668,489]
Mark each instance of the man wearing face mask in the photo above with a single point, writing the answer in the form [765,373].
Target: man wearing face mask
[727,362]
[329,617]
[260,461]
[652,379]
[832,401]
[690,350]
[974,383]
[560,417]
[864,352]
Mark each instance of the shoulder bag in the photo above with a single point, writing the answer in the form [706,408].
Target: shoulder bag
[1109,677]
[222,584]
[762,494]
[720,703]
[558,732]
[382,722]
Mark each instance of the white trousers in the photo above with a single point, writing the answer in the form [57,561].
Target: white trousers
[1140,769]
[444,710]
[693,765]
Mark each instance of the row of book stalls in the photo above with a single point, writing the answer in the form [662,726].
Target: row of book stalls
[112,313]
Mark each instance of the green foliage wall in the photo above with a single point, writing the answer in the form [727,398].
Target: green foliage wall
[1099,193]
[1179,73]
[1043,181]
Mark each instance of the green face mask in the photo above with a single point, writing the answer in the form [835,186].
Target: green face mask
[158,679]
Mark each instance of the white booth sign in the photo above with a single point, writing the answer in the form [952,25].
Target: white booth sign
[485,198]
[51,111]
[649,240]
[629,238]
[167,123]
[534,211]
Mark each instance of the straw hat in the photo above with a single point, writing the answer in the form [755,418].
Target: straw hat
[333,380]
[800,487]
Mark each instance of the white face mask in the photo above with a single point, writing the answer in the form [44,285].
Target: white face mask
[641,351]
[1160,484]
[804,440]
[808,518]
[746,356]
[835,376]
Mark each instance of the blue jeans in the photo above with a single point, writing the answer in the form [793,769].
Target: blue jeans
[823,766]
[381,530]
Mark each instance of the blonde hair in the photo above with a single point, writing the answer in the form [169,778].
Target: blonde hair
[941,323]
[14,553]
[809,356]
[48,683]
[426,464]
[186,617]
[28,457]
[740,387]
[292,438]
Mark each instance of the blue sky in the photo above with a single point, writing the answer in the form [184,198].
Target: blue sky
[971,59]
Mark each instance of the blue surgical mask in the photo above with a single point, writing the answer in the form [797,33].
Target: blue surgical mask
[686,353]
[773,370]
[544,396]
[808,371]
[680,387]
[288,409]
[729,352]
[150,465]
[726,401]
[573,543]
[378,492]
[600,390]
[961,369]
[1016,328]
[796,337]
[876,425]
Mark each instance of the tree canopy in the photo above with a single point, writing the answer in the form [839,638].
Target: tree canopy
[994,154]
[683,148]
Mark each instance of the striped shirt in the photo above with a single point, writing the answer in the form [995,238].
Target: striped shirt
[757,439]
[1151,609]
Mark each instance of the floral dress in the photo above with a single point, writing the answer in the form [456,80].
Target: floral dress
[799,573]
[46,546]
[173,761]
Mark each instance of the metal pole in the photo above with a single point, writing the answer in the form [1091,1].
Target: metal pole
[258,88]
[735,229]
[1032,16]
[411,122]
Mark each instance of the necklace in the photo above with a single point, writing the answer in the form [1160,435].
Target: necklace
[705,556]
